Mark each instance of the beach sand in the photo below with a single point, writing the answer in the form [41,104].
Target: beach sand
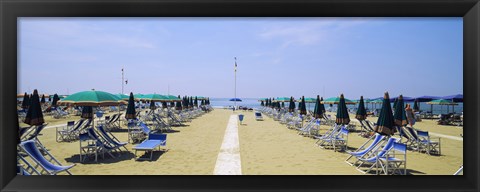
[266,148]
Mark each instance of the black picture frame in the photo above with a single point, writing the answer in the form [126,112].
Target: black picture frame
[10,10]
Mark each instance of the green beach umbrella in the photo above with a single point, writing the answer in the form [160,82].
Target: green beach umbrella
[55,100]
[361,112]
[310,100]
[178,105]
[190,103]
[202,103]
[282,99]
[164,104]
[400,118]
[385,123]
[138,96]
[322,107]
[442,102]
[87,112]
[26,101]
[416,107]
[303,109]
[395,103]
[152,105]
[131,114]
[91,98]
[318,109]
[262,104]
[283,104]
[154,97]
[34,114]
[43,99]
[342,113]
[291,106]
[336,100]
[122,96]
[195,102]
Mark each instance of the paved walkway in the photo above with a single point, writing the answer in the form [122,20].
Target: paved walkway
[228,160]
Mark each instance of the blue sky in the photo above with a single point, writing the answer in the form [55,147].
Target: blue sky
[276,57]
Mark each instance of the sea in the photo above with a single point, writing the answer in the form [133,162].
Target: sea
[255,104]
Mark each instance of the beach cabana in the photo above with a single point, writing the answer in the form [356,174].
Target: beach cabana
[442,102]
[361,111]
[385,123]
[342,113]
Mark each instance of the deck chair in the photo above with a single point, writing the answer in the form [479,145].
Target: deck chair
[328,135]
[364,150]
[110,125]
[460,170]
[140,133]
[258,116]
[373,157]
[69,133]
[30,147]
[173,119]
[25,167]
[428,144]
[336,140]
[109,137]
[393,161]
[94,145]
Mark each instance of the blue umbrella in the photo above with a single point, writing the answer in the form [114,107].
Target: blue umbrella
[235,99]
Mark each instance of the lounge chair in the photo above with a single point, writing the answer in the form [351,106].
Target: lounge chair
[94,145]
[394,160]
[362,151]
[372,159]
[428,144]
[70,132]
[333,132]
[30,147]
[109,137]
[258,116]
[153,142]
[110,124]
[138,133]
[460,170]
[336,140]
[24,167]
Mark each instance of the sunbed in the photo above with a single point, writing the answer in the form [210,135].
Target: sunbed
[153,142]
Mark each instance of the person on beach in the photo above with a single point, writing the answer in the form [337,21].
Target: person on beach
[410,115]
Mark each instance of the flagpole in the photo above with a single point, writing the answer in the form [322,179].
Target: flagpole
[235,92]
[122,80]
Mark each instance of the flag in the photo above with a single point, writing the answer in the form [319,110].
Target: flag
[122,69]
[235,64]
[126,81]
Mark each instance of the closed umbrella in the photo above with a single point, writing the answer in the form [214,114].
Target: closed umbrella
[395,103]
[164,104]
[322,107]
[87,112]
[262,104]
[190,103]
[34,114]
[361,111]
[318,109]
[291,106]
[385,124]
[416,107]
[342,113]
[26,101]
[195,103]
[152,105]
[55,100]
[131,114]
[303,109]
[283,104]
[43,99]
[400,118]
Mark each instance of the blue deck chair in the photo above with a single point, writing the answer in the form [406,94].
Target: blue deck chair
[394,160]
[372,159]
[258,116]
[25,168]
[428,144]
[460,170]
[68,133]
[111,138]
[108,147]
[337,140]
[49,168]
[330,133]
[377,140]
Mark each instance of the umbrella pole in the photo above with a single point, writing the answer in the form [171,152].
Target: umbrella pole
[119,119]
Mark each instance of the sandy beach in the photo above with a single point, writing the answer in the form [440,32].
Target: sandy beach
[266,148]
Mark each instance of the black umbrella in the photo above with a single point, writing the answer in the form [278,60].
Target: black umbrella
[300,104]
[87,112]
[322,107]
[34,113]
[361,112]
[152,105]
[291,106]
[164,104]
[130,114]
[303,109]
[55,99]
[195,102]
[385,124]
[318,109]
[262,104]
[342,112]
[283,104]
[202,103]
[190,102]
[26,101]
[400,118]
[43,99]
[172,104]
[416,107]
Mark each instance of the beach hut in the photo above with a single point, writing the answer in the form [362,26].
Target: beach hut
[385,124]
[361,111]
[342,113]
[400,118]
[130,113]
[34,115]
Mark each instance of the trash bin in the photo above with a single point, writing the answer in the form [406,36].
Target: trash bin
[240,117]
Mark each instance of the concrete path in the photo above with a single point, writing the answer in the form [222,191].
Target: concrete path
[228,160]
